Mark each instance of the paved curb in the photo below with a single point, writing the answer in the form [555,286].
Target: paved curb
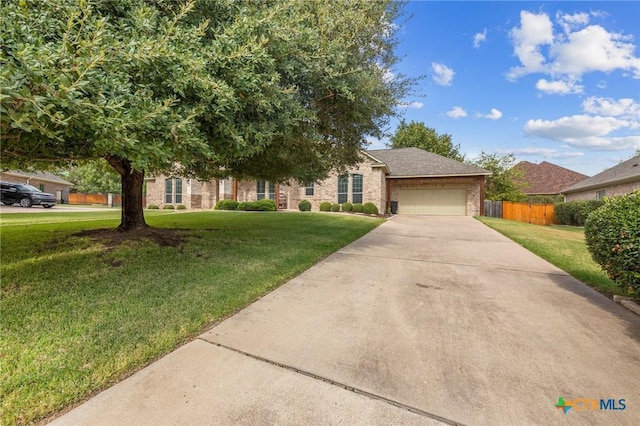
[632,306]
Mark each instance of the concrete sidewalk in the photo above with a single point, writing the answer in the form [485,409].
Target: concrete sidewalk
[426,320]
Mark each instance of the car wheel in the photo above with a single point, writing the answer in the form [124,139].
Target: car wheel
[26,202]
[47,206]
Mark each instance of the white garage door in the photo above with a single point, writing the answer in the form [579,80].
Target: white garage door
[433,201]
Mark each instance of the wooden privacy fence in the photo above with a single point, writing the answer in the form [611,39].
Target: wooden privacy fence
[537,214]
[88,199]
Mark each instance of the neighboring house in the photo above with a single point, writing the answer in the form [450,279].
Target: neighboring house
[419,182]
[547,178]
[44,181]
[618,180]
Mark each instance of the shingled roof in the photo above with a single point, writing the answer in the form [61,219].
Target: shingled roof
[547,178]
[416,162]
[43,176]
[627,171]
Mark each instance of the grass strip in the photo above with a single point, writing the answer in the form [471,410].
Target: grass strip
[79,314]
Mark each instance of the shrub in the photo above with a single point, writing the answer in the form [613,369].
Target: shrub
[369,208]
[152,207]
[258,206]
[181,207]
[544,199]
[357,208]
[347,207]
[612,234]
[168,207]
[335,207]
[226,205]
[575,212]
[325,206]
[304,206]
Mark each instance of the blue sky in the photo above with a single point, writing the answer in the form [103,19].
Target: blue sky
[554,81]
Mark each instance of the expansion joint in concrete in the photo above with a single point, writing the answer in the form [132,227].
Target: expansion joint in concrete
[341,385]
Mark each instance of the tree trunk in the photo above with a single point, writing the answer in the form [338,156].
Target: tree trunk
[132,213]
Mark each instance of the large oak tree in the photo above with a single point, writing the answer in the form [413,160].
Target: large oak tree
[280,90]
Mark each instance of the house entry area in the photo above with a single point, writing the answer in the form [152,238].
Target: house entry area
[433,201]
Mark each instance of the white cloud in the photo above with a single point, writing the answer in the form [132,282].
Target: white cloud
[584,131]
[457,112]
[559,87]
[535,30]
[625,107]
[594,49]
[388,76]
[577,48]
[414,105]
[442,74]
[569,22]
[602,84]
[493,115]
[479,38]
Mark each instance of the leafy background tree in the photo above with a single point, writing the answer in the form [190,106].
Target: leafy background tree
[92,177]
[418,135]
[506,183]
[274,90]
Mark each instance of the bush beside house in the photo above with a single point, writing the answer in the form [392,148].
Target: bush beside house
[304,206]
[325,206]
[226,205]
[369,208]
[612,234]
[575,213]
[263,205]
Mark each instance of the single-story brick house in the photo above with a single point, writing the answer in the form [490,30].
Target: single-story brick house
[44,181]
[420,182]
[192,193]
[618,180]
[547,178]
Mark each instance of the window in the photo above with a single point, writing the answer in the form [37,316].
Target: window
[260,189]
[172,187]
[600,195]
[41,187]
[343,188]
[168,191]
[178,183]
[308,189]
[356,188]
[272,191]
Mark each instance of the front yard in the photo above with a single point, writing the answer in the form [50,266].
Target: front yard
[562,246]
[79,314]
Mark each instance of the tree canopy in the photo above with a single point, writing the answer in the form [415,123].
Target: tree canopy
[257,89]
[93,176]
[418,135]
[506,182]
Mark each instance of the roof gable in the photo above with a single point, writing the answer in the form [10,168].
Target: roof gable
[627,171]
[416,162]
[547,178]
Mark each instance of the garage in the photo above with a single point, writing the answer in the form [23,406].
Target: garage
[433,201]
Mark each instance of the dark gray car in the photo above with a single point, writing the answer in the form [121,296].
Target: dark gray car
[25,195]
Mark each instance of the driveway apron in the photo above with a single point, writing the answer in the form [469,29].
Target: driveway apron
[425,320]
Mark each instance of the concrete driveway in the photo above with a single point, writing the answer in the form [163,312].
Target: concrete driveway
[426,320]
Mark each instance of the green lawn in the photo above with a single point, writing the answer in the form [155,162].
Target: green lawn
[79,315]
[562,246]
